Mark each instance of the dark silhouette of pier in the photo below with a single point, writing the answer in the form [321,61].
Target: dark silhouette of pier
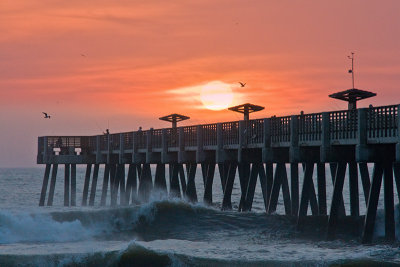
[259,149]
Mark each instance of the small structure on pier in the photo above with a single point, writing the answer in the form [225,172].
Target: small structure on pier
[174,118]
[246,109]
[352,96]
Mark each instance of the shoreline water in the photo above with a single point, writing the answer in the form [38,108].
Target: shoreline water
[166,233]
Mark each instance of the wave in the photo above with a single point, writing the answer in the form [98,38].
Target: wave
[155,220]
[159,220]
[135,254]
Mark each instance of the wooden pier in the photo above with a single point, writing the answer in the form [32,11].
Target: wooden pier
[255,149]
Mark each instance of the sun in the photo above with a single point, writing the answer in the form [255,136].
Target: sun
[216,95]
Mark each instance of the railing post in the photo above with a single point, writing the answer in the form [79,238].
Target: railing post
[40,150]
[220,144]
[242,141]
[121,148]
[45,150]
[398,134]
[294,151]
[200,144]
[266,150]
[108,149]
[181,145]
[134,147]
[98,149]
[325,137]
[164,146]
[362,154]
[267,133]
[181,139]
[149,145]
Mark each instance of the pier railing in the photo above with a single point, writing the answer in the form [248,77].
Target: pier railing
[382,123]
[310,127]
[381,126]
[343,126]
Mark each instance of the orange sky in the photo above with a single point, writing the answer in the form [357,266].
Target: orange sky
[122,64]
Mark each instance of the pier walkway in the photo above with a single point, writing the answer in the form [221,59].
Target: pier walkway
[255,149]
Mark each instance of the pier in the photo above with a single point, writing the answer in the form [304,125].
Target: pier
[260,149]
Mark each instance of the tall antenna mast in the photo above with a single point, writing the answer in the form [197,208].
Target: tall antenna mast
[352,67]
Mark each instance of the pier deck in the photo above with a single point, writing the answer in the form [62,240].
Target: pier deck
[257,149]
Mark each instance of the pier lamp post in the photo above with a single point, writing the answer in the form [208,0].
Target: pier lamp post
[246,109]
[174,118]
[352,96]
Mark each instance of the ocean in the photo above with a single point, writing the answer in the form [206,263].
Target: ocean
[170,232]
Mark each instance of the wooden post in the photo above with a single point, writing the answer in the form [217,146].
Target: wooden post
[396,169]
[182,179]
[121,149]
[337,194]
[294,139]
[366,183]
[209,182]
[94,184]
[159,180]
[294,176]
[269,173]
[191,193]
[305,194]
[263,183]
[223,173]
[333,167]
[145,183]
[244,173]
[242,140]
[131,184]
[149,145]
[325,137]
[389,202]
[66,185]
[164,146]
[52,185]
[280,180]
[73,184]
[44,185]
[372,203]
[398,136]
[86,184]
[362,136]
[312,196]
[174,191]
[98,149]
[353,185]
[200,144]
[113,184]
[122,189]
[251,187]
[321,176]
[109,148]
[134,147]
[227,200]
[105,184]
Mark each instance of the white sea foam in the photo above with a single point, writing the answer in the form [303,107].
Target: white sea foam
[25,227]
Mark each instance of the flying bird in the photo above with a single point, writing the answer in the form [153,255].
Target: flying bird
[242,84]
[46,116]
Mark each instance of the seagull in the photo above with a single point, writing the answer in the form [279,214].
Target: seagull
[242,84]
[46,116]
[83,55]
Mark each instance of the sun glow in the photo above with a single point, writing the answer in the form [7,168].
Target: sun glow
[216,95]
